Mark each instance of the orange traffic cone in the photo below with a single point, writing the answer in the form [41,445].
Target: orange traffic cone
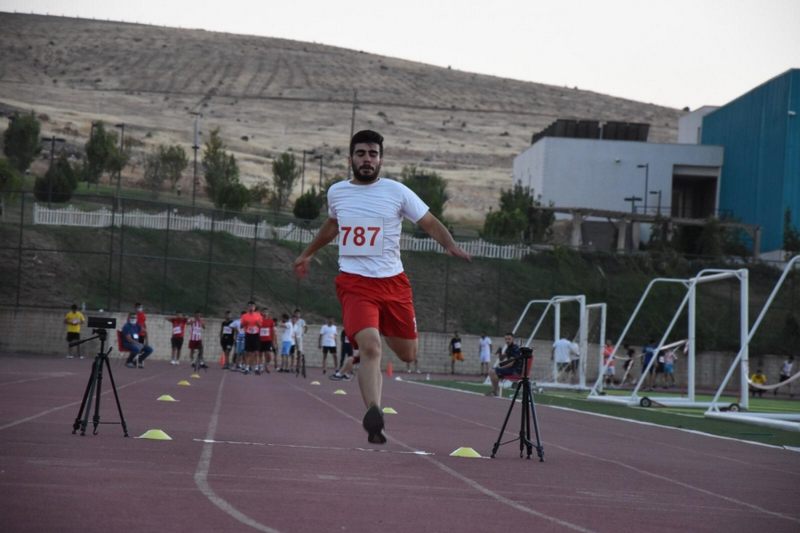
[389,369]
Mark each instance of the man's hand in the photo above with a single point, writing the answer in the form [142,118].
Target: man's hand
[301,266]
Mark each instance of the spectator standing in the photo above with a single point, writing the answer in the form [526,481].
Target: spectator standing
[455,352]
[251,324]
[287,341]
[196,326]
[266,337]
[300,329]
[786,372]
[346,349]
[141,319]
[648,352]
[238,356]
[759,378]
[563,352]
[485,353]
[630,355]
[132,341]
[327,343]
[74,319]
[178,322]
[609,363]
[367,212]
[669,367]
[227,338]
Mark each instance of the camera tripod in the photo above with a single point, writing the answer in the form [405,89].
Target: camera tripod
[528,413]
[94,387]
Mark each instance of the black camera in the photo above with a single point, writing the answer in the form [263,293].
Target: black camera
[101,322]
[525,352]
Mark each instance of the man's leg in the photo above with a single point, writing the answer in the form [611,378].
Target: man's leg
[370,380]
[495,383]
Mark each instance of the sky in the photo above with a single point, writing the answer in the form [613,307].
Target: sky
[674,53]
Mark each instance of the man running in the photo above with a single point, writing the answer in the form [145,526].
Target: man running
[367,213]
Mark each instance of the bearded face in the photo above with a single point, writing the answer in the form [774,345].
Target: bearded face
[366,162]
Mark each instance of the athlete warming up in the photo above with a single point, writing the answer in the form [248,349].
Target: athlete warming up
[375,294]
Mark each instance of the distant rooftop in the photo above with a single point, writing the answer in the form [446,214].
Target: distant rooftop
[592,129]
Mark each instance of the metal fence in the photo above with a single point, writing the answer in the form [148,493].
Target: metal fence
[104,253]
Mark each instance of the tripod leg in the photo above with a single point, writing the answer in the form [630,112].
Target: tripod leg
[90,392]
[505,423]
[539,447]
[526,419]
[116,397]
[98,392]
[86,394]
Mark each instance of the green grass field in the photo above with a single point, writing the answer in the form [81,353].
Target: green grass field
[684,418]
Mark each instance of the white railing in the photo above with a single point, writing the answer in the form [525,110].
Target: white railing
[104,217]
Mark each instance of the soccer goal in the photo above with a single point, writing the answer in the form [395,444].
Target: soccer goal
[553,377]
[785,421]
[688,303]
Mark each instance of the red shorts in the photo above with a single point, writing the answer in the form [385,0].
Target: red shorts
[383,303]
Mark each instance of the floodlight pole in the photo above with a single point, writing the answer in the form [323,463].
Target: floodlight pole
[646,167]
[195,148]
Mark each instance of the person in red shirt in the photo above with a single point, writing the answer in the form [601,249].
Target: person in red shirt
[178,327]
[267,348]
[251,324]
[141,321]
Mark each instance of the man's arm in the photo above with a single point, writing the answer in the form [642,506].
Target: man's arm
[328,232]
[439,233]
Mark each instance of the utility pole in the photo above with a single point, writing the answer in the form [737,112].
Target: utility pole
[195,148]
[121,126]
[352,128]
[53,140]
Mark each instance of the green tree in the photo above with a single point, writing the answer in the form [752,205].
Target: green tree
[284,176]
[791,237]
[520,217]
[221,172]
[153,171]
[232,196]
[429,186]
[58,183]
[21,141]
[10,181]
[309,204]
[173,162]
[102,154]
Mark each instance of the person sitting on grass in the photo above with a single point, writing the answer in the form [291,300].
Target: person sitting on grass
[511,364]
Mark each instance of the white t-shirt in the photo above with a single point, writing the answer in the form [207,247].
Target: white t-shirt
[563,349]
[486,348]
[370,221]
[236,325]
[299,328]
[328,335]
[287,333]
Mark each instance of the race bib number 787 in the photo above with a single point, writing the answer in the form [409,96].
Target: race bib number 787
[361,236]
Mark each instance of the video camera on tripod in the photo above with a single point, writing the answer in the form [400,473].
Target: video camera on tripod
[100,327]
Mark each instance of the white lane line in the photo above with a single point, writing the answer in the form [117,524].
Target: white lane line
[73,404]
[631,467]
[201,473]
[50,375]
[470,482]
[310,447]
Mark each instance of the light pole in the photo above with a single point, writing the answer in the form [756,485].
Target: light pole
[195,148]
[303,172]
[633,200]
[320,157]
[658,208]
[121,126]
[646,167]
[53,140]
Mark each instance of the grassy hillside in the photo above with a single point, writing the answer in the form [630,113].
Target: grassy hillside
[272,95]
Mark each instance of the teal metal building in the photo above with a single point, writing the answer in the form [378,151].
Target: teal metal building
[760,132]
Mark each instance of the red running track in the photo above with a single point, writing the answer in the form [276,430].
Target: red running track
[276,453]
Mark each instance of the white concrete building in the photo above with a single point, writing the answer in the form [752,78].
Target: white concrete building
[601,174]
[690,125]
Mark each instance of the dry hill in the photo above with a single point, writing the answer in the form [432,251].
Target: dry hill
[271,95]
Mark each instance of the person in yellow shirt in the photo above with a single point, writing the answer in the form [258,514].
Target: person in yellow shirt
[759,378]
[73,319]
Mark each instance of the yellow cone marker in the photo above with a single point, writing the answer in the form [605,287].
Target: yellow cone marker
[166,398]
[184,383]
[389,411]
[464,452]
[155,434]
[339,391]
[315,382]
[196,376]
